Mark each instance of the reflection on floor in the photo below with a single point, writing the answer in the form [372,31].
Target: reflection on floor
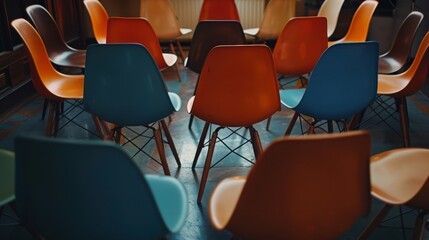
[27,120]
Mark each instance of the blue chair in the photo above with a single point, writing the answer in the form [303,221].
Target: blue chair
[123,86]
[343,83]
[74,189]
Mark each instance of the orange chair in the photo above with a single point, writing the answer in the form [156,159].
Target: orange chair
[51,84]
[276,15]
[331,10]
[220,98]
[98,16]
[299,46]
[359,26]
[401,85]
[139,30]
[293,192]
[161,15]
[399,177]
[219,10]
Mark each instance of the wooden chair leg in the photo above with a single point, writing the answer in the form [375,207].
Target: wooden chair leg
[170,142]
[182,54]
[405,125]
[419,225]
[161,150]
[291,124]
[207,166]
[375,222]
[256,142]
[51,116]
[176,66]
[267,127]
[200,144]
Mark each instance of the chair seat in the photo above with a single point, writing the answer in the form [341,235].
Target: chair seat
[291,97]
[251,31]
[66,86]
[72,58]
[7,176]
[224,199]
[396,181]
[388,64]
[391,84]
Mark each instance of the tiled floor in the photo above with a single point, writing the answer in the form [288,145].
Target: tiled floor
[26,120]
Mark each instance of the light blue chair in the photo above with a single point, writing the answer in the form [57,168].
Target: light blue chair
[75,189]
[123,86]
[343,83]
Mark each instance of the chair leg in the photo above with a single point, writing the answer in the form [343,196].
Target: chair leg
[207,165]
[291,124]
[200,144]
[51,116]
[256,142]
[161,150]
[405,125]
[58,111]
[179,46]
[267,127]
[375,222]
[191,119]
[176,66]
[330,127]
[355,121]
[170,142]
[45,107]
[418,226]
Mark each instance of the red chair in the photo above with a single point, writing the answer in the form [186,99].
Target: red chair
[219,10]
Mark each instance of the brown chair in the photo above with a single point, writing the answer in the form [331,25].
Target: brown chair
[359,26]
[59,51]
[306,187]
[49,83]
[400,177]
[139,30]
[98,16]
[276,15]
[401,85]
[397,56]
[237,88]
[219,10]
[161,15]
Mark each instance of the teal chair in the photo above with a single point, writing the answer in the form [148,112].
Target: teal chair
[123,86]
[342,84]
[75,189]
[7,178]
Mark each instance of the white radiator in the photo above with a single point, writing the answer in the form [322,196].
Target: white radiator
[188,12]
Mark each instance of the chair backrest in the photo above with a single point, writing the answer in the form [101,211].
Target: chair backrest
[74,189]
[123,85]
[48,30]
[219,10]
[416,74]
[300,45]
[403,42]
[343,82]
[162,17]
[359,26]
[209,34]
[276,15]
[312,187]
[135,30]
[7,176]
[331,10]
[98,15]
[42,71]
[237,86]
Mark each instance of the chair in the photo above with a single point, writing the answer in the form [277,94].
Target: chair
[219,10]
[207,35]
[299,46]
[343,83]
[401,85]
[396,57]
[59,51]
[74,189]
[139,30]
[54,86]
[123,86]
[293,192]
[7,178]
[98,16]
[359,26]
[331,10]
[220,98]
[164,21]
[399,177]
[276,15]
